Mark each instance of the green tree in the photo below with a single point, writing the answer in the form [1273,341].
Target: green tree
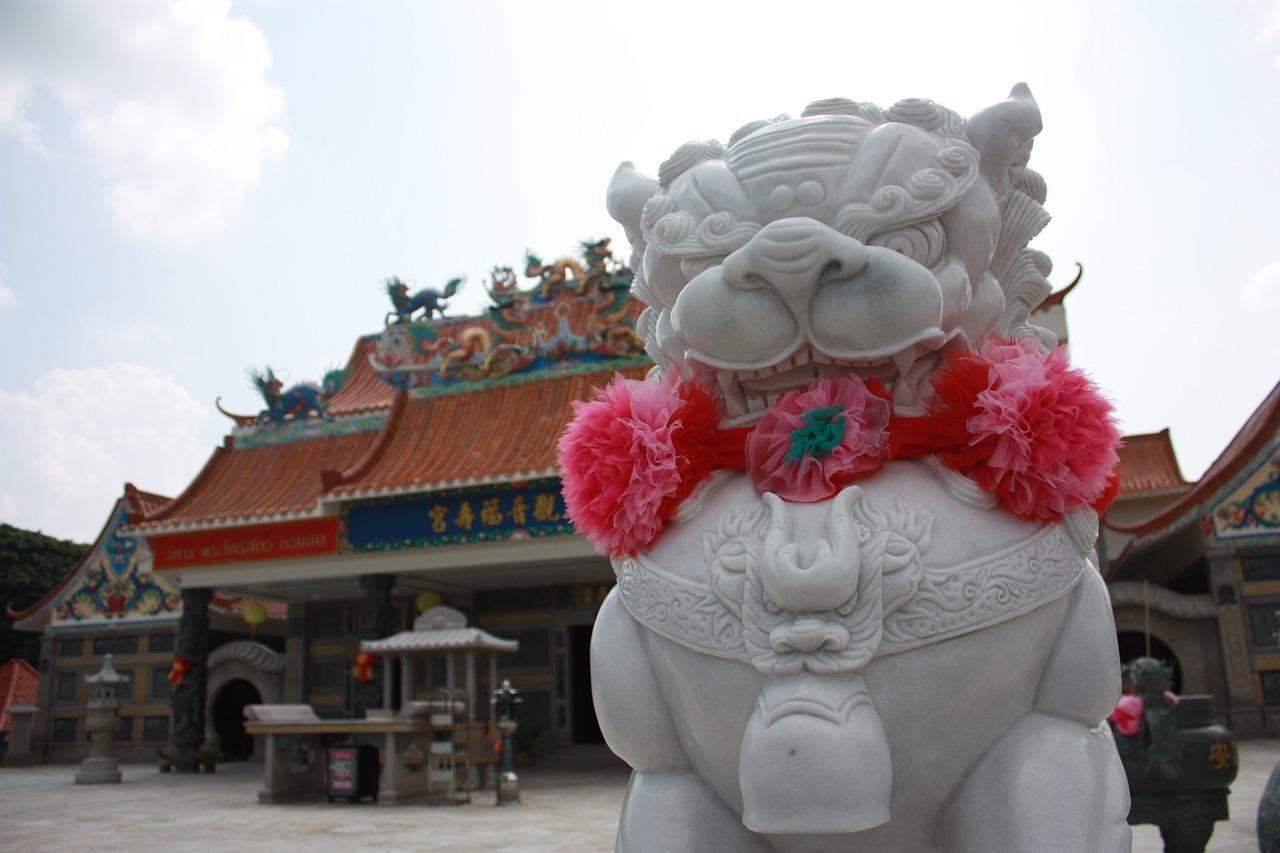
[31,564]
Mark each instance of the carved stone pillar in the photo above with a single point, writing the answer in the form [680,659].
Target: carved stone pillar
[189,697]
[22,718]
[295,649]
[375,625]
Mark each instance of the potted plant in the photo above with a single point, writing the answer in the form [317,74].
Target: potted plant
[208,757]
[165,756]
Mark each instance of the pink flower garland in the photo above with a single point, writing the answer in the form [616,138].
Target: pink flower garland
[811,444]
[630,457]
[1025,425]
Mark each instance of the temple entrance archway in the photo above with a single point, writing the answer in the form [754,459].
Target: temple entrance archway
[228,718]
[241,673]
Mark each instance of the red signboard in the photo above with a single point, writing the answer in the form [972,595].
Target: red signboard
[259,543]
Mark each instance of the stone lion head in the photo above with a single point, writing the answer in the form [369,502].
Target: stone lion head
[850,239]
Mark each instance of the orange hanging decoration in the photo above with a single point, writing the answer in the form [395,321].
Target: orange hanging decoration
[179,670]
[363,670]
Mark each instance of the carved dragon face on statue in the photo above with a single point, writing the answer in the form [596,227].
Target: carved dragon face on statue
[851,239]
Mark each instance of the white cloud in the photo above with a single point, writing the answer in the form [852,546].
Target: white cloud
[1271,27]
[14,97]
[8,299]
[171,95]
[68,447]
[1262,291]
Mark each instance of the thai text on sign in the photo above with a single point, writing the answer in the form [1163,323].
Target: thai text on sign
[287,540]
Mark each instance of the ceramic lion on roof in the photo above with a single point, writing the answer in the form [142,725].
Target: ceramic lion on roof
[852,511]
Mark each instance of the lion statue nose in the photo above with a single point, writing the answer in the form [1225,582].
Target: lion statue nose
[794,257]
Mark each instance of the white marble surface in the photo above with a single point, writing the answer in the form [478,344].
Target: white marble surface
[831,652]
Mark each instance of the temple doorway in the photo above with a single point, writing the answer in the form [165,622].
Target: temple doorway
[228,718]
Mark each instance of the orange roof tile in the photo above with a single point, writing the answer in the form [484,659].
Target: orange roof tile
[363,391]
[497,433]
[255,483]
[18,684]
[1149,467]
[145,502]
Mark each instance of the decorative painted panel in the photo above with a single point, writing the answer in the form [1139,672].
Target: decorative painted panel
[1253,508]
[116,584]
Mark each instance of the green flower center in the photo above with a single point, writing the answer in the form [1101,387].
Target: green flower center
[824,428]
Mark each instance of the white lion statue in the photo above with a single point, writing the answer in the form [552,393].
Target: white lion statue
[852,510]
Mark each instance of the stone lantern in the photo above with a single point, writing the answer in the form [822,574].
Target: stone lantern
[506,699]
[104,721]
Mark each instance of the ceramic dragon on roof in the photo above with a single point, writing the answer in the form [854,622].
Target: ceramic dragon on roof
[574,312]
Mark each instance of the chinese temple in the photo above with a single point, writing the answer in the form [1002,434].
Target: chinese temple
[424,473]
[1194,568]
[421,473]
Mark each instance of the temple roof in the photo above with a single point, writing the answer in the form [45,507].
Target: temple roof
[19,681]
[1261,428]
[448,639]
[363,391]
[1168,539]
[427,403]
[259,483]
[1149,467]
[494,434]
[440,629]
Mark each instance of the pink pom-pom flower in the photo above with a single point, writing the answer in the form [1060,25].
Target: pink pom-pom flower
[1026,426]
[1127,717]
[812,443]
[630,457]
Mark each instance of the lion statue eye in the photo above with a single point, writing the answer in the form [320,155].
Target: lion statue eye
[923,243]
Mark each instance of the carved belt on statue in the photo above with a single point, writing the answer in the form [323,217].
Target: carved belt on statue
[810,613]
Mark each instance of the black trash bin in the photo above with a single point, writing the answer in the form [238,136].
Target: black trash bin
[352,772]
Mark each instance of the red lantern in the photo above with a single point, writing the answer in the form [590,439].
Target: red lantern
[363,670]
[179,670]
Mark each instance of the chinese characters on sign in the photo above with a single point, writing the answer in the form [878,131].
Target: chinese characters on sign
[448,518]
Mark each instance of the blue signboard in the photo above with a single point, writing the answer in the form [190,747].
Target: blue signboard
[449,518]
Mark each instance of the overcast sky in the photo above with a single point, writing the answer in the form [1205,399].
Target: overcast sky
[191,188]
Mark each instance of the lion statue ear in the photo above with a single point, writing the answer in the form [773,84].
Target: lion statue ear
[625,200]
[1002,133]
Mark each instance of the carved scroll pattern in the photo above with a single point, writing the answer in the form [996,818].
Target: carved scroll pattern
[681,610]
[994,589]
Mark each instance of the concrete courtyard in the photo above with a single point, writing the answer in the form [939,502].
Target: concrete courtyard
[568,806]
